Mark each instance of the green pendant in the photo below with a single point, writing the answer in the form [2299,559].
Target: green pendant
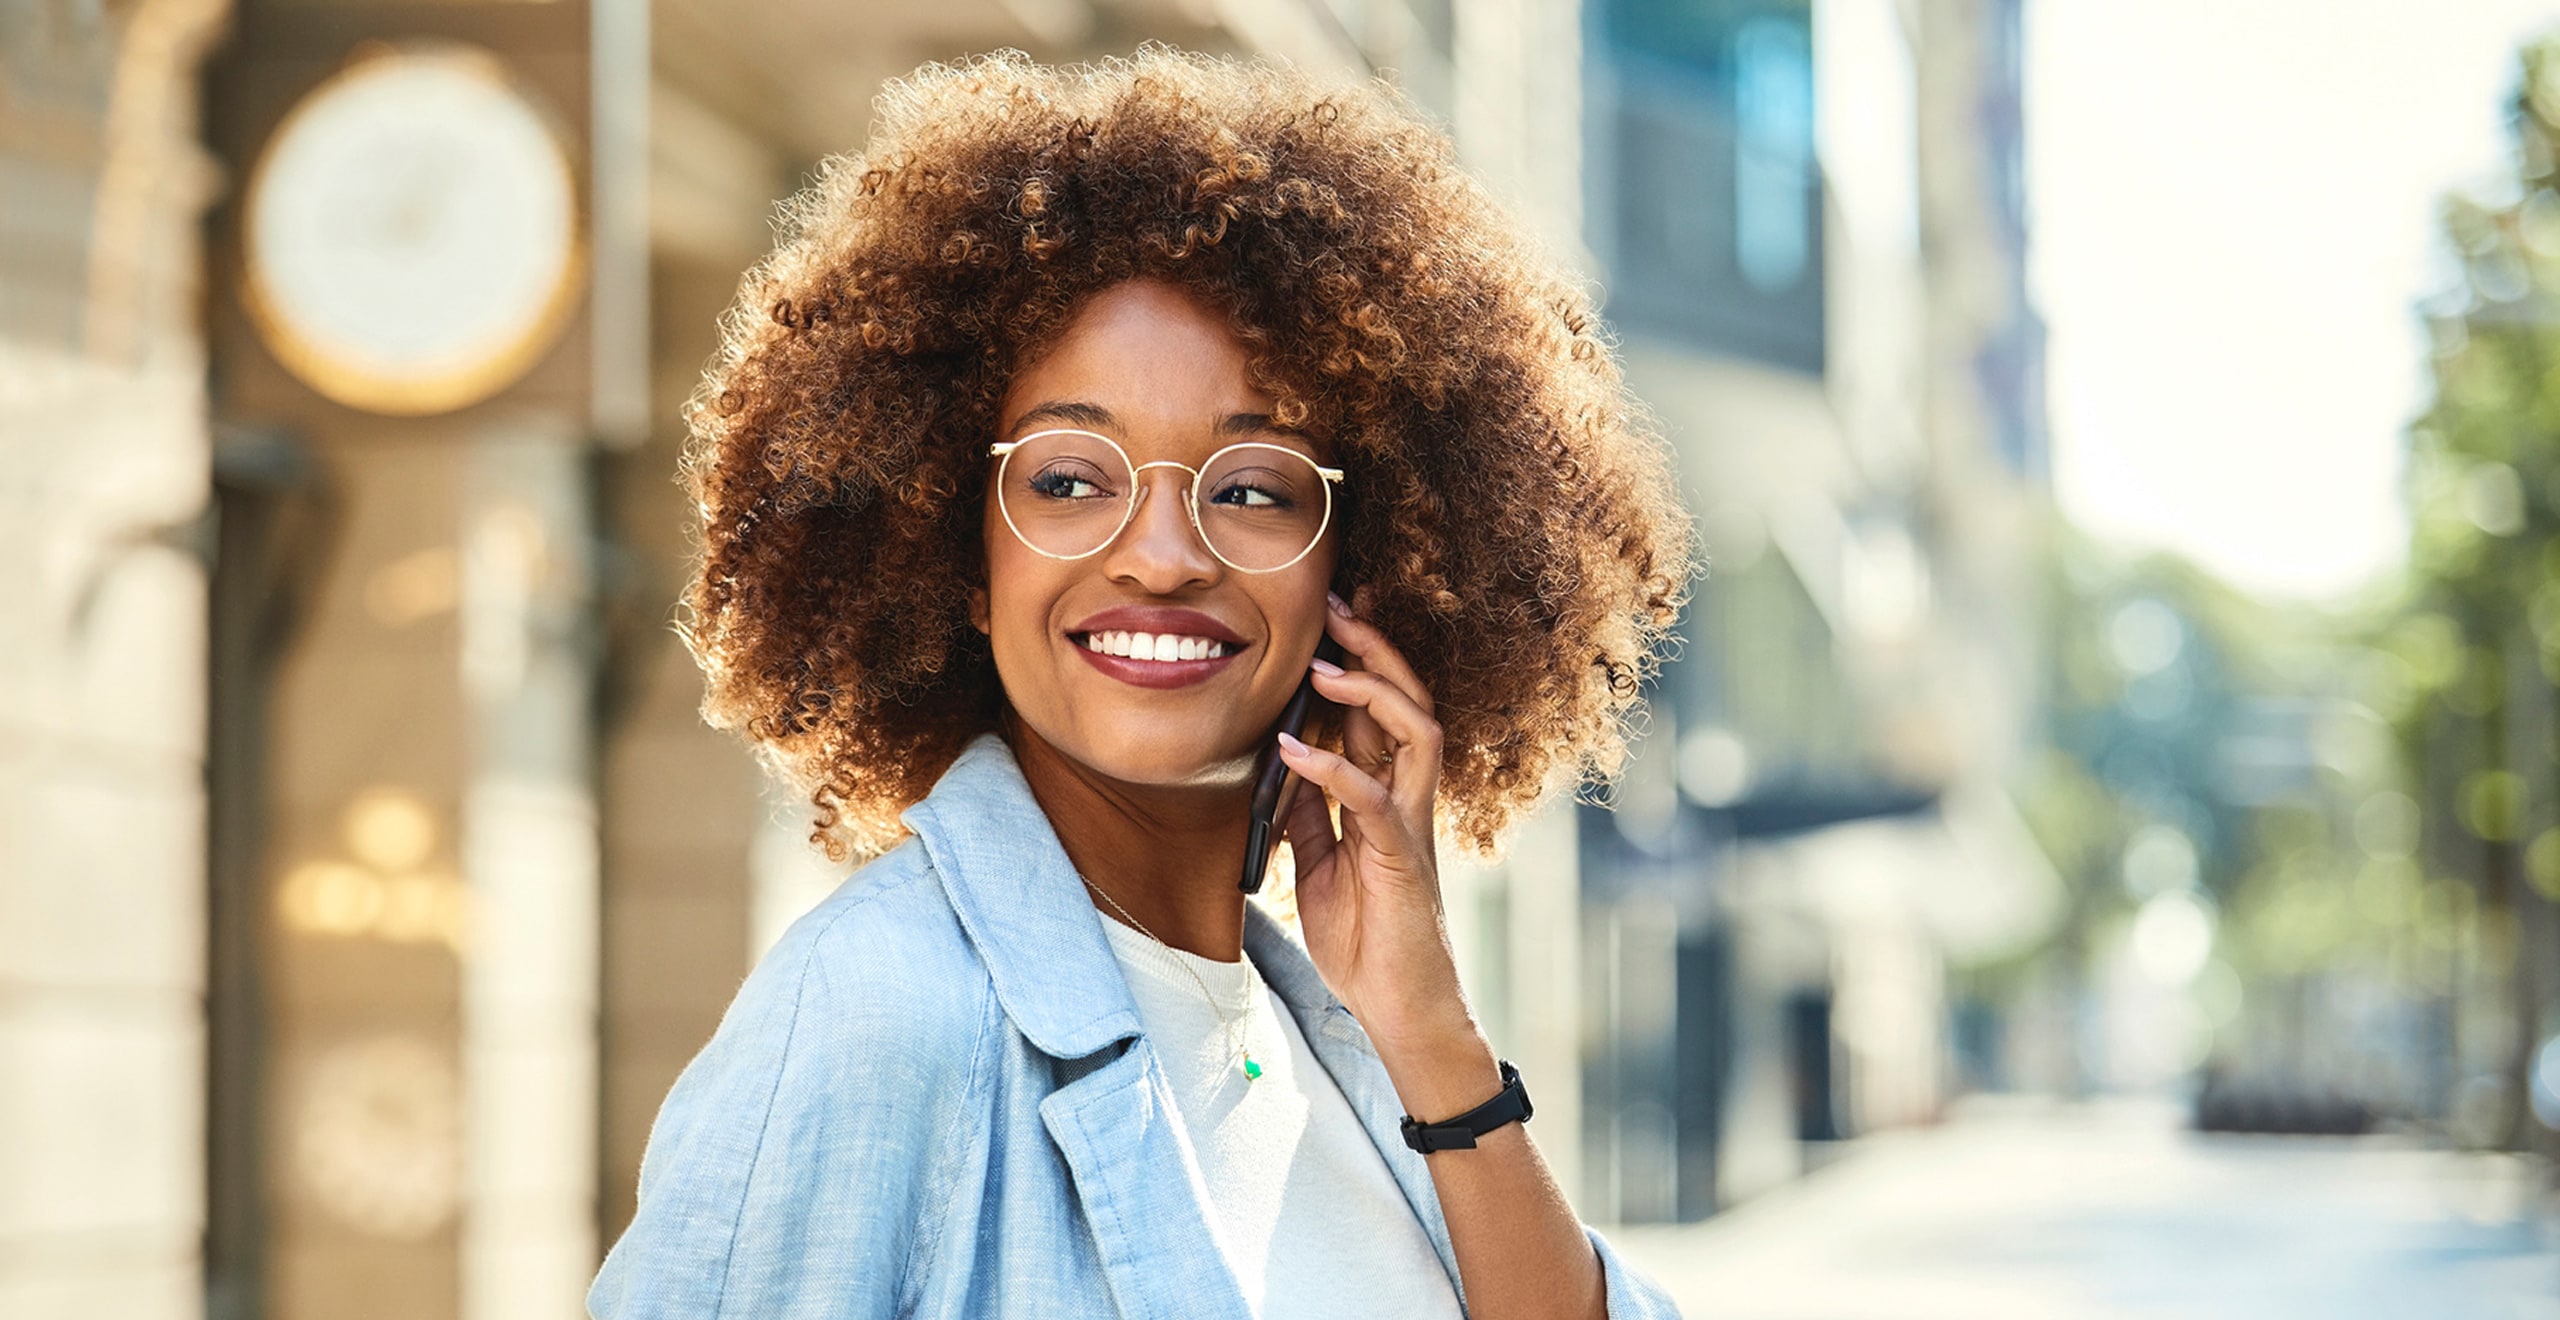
[1252,1070]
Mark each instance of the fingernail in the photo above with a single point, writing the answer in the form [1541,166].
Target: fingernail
[1325,667]
[1338,605]
[1292,746]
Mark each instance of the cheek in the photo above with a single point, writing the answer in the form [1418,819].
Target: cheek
[1320,568]
[1021,587]
[1296,607]
[1002,576]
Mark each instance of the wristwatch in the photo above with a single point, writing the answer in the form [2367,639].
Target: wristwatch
[1509,1105]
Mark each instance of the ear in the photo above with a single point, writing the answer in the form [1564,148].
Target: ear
[978,609]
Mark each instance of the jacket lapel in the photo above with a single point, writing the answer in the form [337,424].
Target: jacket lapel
[1117,1129]
[1025,911]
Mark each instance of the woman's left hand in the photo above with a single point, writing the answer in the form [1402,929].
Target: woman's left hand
[1369,901]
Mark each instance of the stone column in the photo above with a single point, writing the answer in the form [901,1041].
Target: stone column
[1544,874]
[1516,77]
[104,467]
[101,840]
[529,985]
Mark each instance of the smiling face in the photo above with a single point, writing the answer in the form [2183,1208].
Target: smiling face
[1159,374]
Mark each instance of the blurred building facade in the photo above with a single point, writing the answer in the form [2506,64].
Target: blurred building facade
[1811,222]
[369,874]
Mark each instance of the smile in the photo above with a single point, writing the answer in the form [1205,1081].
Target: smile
[1155,660]
[1154,646]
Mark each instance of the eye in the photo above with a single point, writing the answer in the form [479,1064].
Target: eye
[1068,481]
[1253,490]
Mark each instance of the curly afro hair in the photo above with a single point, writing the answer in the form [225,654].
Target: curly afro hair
[1513,517]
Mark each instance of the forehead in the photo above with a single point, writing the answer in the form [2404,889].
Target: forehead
[1161,363]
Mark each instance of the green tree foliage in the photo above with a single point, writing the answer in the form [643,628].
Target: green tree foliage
[2473,659]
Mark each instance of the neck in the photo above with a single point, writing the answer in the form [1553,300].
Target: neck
[1168,854]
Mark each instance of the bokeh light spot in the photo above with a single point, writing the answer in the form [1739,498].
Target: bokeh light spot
[2172,938]
[390,829]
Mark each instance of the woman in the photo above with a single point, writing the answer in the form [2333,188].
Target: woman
[1038,459]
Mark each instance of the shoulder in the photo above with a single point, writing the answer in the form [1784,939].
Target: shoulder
[872,999]
[815,1111]
[883,963]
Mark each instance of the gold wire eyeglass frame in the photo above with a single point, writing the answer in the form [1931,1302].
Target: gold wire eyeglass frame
[1003,452]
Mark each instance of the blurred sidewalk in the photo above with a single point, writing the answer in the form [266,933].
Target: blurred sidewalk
[2024,1210]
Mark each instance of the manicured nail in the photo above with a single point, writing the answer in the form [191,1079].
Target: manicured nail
[1325,667]
[1338,605]
[1292,746]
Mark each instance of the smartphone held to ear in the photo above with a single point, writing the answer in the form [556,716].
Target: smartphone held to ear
[1274,784]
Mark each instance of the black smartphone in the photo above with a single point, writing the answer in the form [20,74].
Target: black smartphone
[1274,784]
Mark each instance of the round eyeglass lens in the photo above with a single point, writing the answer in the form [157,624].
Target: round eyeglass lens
[1261,507]
[1065,492]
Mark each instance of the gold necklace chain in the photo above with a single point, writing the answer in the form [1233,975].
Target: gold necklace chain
[1234,1030]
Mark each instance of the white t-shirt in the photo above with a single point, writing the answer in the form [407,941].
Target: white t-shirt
[1313,1224]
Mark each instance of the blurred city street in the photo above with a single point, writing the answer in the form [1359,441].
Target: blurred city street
[2124,440]
[2022,1209]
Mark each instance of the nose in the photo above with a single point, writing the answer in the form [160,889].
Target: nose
[1161,550]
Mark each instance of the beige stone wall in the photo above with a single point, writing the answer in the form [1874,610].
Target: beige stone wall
[101,840]
[103,481]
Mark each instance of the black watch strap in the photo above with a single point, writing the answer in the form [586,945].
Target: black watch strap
[1510,1105]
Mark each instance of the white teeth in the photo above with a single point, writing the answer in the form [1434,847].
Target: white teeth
[1153,646]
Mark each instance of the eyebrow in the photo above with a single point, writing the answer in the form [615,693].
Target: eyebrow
[1093,416]
[1251,424]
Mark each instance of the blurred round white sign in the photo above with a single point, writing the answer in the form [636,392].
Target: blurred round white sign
[412,232]
[379,1137]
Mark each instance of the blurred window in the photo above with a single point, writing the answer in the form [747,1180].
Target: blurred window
[1707,202]
[1773,153]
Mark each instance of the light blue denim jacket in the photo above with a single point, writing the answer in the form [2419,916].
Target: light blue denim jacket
[933,1097]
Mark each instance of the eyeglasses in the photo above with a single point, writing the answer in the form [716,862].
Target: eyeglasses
[1258,507]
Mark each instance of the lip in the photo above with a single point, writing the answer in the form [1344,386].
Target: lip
[1160,619]
[1155,673]
[1156,619]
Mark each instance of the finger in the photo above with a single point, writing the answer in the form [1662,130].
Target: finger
[1361,737]
[1309,829]
[1370,647]
[1415,735]
[1349,784]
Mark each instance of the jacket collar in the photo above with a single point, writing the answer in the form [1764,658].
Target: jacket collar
[1027,913]
[1022,905]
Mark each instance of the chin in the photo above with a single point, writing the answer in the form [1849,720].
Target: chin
[1158,753]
